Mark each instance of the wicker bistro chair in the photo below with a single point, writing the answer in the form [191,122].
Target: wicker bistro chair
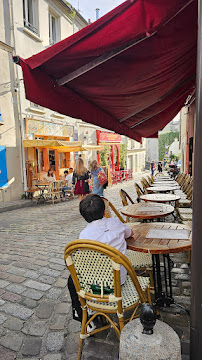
[95,270]
[140,261]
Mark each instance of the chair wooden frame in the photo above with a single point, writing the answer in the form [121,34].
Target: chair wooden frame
[138,189]
[124,196]
[99,301]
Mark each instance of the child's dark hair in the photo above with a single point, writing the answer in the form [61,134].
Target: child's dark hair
[92,208]
[66,172]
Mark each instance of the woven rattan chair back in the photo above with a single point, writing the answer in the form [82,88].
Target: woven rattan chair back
[125,197]
[109,208]
[95,270]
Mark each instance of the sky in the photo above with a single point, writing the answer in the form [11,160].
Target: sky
[87,7]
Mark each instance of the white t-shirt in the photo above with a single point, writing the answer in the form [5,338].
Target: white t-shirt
[68,178]
[109,231]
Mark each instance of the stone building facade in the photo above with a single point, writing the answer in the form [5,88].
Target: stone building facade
[28,27]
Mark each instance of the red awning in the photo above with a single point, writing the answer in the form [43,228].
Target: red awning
[131,71]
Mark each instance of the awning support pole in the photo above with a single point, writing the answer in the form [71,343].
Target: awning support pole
[196,281]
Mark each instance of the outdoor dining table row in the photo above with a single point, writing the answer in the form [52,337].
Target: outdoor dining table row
[159,238]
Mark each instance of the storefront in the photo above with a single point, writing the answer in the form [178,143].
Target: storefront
[113,142]
[41,159]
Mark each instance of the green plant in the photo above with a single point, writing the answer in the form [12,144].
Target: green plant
[166,139]
[104,155]
[123,153]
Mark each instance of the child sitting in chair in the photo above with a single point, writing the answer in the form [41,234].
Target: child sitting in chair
[109,231]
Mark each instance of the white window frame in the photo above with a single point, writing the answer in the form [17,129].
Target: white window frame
[52,16]
[35,26]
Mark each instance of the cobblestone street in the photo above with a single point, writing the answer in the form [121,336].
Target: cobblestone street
[35,311]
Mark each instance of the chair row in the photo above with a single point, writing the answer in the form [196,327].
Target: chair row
[184,205]
[54,192]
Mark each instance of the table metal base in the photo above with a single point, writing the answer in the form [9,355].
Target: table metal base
[163,294]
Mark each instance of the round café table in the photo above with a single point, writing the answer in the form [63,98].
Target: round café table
[161,239]
[162,188]
[170,184]
[160,198]
[147,211]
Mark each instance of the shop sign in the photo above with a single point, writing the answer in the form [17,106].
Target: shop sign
[109,137]
[46,128]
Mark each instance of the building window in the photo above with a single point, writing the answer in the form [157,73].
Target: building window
[52,29]
[30,15]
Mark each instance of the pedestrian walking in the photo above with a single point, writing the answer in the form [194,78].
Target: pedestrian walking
[80,179]
[160,167]
[98,189]
[152,167]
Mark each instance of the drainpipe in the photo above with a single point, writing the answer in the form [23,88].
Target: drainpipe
[196,282]
[24,175]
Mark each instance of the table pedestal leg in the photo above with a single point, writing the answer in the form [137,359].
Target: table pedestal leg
[163,297]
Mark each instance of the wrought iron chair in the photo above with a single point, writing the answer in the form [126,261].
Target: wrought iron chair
[95,270]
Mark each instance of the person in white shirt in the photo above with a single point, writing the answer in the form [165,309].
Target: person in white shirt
[109,231]
[68,180]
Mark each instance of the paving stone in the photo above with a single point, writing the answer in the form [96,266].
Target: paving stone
[17,310]
[73,326]
[61,283]
[44,310]
[4,267]
[58,322]
[3,275]
[14,324]
[57,261]
[12,341]
[54,294]
[47,279]
[16,278]
[31,346]
[16,271]
[72,344]
[49,272]
[55,341]
[33,294]
[36,285]
[2,291]
[2,319]
[15,288]
[98,350]
[53,357]
[3,283]
[2,302]
[11,297]
[57,267]
[38,328]
[28,302]
[6,354]
[63,308]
